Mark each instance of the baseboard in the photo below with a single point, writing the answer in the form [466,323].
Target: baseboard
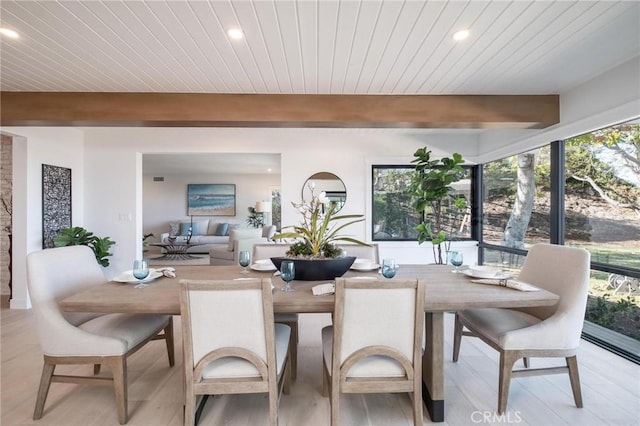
[4,301]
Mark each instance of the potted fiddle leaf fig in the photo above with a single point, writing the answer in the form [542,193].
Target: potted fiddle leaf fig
[77,235]
[434,198]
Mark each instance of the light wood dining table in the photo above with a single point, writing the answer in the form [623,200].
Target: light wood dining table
[445,291]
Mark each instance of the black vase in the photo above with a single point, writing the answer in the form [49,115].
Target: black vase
[317,269]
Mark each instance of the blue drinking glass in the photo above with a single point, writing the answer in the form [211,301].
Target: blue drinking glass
[287,273]
[140,272]
[388,268]
[456,260]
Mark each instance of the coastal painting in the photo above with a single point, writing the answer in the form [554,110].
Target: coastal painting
[211,199]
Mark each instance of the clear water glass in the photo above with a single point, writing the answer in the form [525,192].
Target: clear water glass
[388,268]
[456,260]
[140,271]
[244,259]
[287,273]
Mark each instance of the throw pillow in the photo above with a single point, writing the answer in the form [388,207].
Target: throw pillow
[221,230]
[174,228]
[184,228]
[232,226]
[200,227]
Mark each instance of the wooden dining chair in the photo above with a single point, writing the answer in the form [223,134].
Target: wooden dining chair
[231,344]
[267,251]
[84,338]
[536,332]
[375,343]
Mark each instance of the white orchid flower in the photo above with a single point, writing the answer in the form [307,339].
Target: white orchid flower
[322,198]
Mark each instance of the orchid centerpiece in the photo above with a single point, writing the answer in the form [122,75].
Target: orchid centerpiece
[319,230]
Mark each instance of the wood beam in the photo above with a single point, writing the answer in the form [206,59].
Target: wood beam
[251,110]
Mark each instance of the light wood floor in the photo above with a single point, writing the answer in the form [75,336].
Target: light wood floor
[610,385]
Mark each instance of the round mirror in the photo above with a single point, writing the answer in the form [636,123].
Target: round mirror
[331,184]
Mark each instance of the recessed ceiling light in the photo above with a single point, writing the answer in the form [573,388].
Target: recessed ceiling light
[9,33]
[269,170]
[461,35]
[235,33]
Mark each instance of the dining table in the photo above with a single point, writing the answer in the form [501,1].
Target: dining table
[445,291]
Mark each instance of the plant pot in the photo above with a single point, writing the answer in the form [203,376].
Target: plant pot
[318,269]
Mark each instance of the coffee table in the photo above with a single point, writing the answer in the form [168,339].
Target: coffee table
[176,251]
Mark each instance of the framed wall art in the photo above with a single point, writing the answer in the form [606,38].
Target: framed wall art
[211,199]
[56,202]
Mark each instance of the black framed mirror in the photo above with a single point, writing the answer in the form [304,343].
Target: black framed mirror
[331,184]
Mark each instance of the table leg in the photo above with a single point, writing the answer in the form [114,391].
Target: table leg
[433,366]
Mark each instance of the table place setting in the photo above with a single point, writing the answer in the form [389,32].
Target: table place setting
[482,274]
[364,265]
[129,277]
[263,265]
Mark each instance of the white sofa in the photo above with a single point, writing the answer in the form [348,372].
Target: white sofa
[209,233]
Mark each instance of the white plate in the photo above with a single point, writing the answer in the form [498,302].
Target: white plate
[365,266]
[478,273]
[127,277]
[263,265]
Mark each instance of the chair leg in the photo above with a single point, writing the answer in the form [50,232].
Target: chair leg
[457,338]
[507,359]
[417,403]
[286,379]
[43,390]
[574,376]
[96,368]
[325,379]
[293,349]
[189,407]
[273,404]
[118,366]
[334,398]
[168,337]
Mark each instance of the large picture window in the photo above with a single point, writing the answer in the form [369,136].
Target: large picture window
[584,191]
[395,218]
[602,194]
[517,199]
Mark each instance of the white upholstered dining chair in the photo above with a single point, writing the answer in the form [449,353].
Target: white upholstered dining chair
[536,332]
[231,344]
[375,343]
[370,252]
[84,338]
[267,251]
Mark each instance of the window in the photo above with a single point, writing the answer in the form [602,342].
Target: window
[516,201]
[394,217]
[585,192]
[602,194]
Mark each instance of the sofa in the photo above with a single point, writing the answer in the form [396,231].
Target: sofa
[209,233]
[240,239]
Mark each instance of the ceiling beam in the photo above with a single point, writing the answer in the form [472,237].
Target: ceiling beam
[243,110]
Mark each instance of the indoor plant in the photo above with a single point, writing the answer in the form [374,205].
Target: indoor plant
[315,237]
[433,197]
[77,235]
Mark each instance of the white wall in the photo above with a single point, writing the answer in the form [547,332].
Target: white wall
[32,147]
